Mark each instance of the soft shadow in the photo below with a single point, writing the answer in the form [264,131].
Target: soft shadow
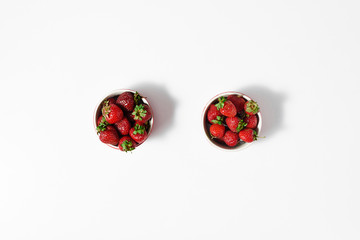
[162,104]
[271,107]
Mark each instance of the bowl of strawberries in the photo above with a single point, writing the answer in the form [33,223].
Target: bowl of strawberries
[232,120]
[123,119]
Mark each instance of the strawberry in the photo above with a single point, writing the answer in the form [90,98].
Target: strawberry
[123,126]
[251,121]
[217,131]
[141,114]
[126,101]
[238,101]
[112,100]
[109,136]
[248,135]
[226,107]
[213,113]
[126,144]
[112,112]
[235,124]
[101,124]
[231,138]
[251,107]
[138,133]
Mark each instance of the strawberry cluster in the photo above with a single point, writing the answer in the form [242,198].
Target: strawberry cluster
[232,120]
[124,121]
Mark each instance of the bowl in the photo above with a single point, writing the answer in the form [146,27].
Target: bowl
[115,93]
[206,124]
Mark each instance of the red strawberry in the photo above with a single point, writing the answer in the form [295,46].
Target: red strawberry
[251,121]
[123,126]
[109,136]
[126,144]
[138,133]
[100,119]
[213,113]
[238,101]
[231,138]
[217,131]
[235,124]
[248,135]
[126,101]
[101,124]
[226,107]
[251,107]
[112,100]
[112,112]
[141,114]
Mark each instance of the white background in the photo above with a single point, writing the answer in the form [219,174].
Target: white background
[299,59]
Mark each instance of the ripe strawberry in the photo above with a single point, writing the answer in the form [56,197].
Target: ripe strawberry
[101,124]
[138,133]
[126,144]
[123,126]
[231,138]
[251,121]
[217,131]
[226,107]
[248,135]
[213,113]
[141,114]
[126,101]
[238,101]
[251,107]
[109,136]
[235,124]
[112,100]
[112,112]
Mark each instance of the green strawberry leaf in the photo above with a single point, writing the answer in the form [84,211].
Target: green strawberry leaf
[138,129]
[219,120]
[221,103]
[251,107]
[139,112]
[127,146]
[102,125]
[241,125]
[106,108]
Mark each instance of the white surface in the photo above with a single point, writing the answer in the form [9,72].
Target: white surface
[298,59]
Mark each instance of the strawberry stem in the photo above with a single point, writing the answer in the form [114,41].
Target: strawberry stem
[220,105]
[139,112]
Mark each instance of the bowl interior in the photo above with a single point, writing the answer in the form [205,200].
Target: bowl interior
[206,124]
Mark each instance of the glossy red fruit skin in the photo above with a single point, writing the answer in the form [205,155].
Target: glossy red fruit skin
[238,101]
[231,139]
[126,101]
[213,113]
[147,116]
[247,135]
[217,130]
[251,121]
[112,100]
[229,109]
[233,123]
[139,138]
[109,136]
[126,138]
[114,115]
[123,126]
[98,121]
